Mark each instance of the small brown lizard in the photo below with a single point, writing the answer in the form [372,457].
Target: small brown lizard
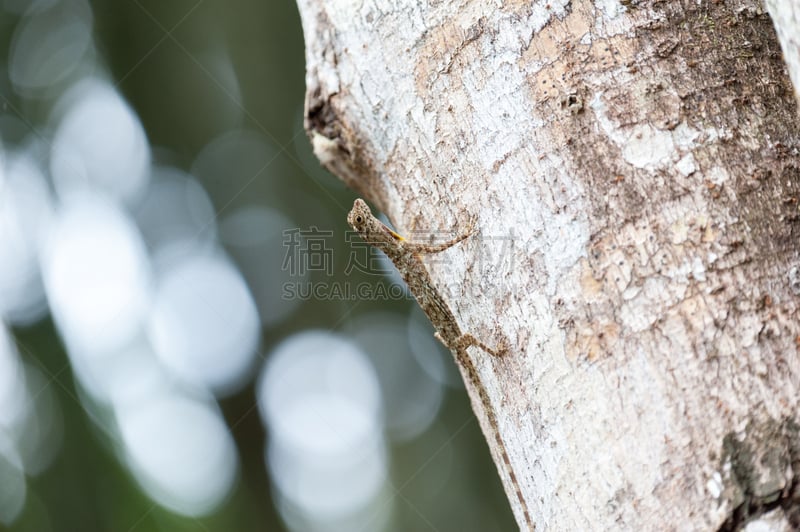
[406,257]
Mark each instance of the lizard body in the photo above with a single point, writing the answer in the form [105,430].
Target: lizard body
[405,256]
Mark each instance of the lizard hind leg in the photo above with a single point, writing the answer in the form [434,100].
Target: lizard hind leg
[467,340]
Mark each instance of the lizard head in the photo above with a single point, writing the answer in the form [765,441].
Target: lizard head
[370,228]
[359,216]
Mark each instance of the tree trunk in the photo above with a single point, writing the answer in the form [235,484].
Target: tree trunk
[642,159]
[786,15]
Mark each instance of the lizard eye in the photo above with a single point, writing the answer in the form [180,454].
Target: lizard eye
[359,219]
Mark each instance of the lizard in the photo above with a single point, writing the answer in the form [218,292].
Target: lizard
[406,256]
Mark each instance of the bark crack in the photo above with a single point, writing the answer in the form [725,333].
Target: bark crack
[765,472]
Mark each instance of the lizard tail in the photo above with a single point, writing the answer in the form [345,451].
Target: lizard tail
[466,363]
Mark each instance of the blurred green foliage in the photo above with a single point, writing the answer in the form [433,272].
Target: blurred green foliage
[168,60]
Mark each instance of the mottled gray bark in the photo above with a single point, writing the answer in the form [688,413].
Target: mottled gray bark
[642,156]
[786,16]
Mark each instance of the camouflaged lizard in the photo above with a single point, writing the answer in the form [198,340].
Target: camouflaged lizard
[406,257]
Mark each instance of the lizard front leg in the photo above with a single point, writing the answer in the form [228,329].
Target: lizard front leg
[421,248]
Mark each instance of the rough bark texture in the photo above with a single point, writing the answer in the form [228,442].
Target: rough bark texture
[786,15]
[643,155]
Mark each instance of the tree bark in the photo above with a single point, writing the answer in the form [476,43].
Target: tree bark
[642,156]
[786,15]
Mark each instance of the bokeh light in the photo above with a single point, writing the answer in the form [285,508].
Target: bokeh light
[180,452]
[204,324]
[255,237]
[234,164]
[49,44]
[99,144]
[320,397]
[154,173]
[96,274]
[41,435]
[13,402]
[175,215]
[13,392]
[13,488]
[411,397]
[25,211]
[30,422]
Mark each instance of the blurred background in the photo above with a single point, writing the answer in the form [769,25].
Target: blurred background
[189,337]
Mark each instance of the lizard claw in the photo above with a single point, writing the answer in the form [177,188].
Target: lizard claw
[503,348]
[472,226]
